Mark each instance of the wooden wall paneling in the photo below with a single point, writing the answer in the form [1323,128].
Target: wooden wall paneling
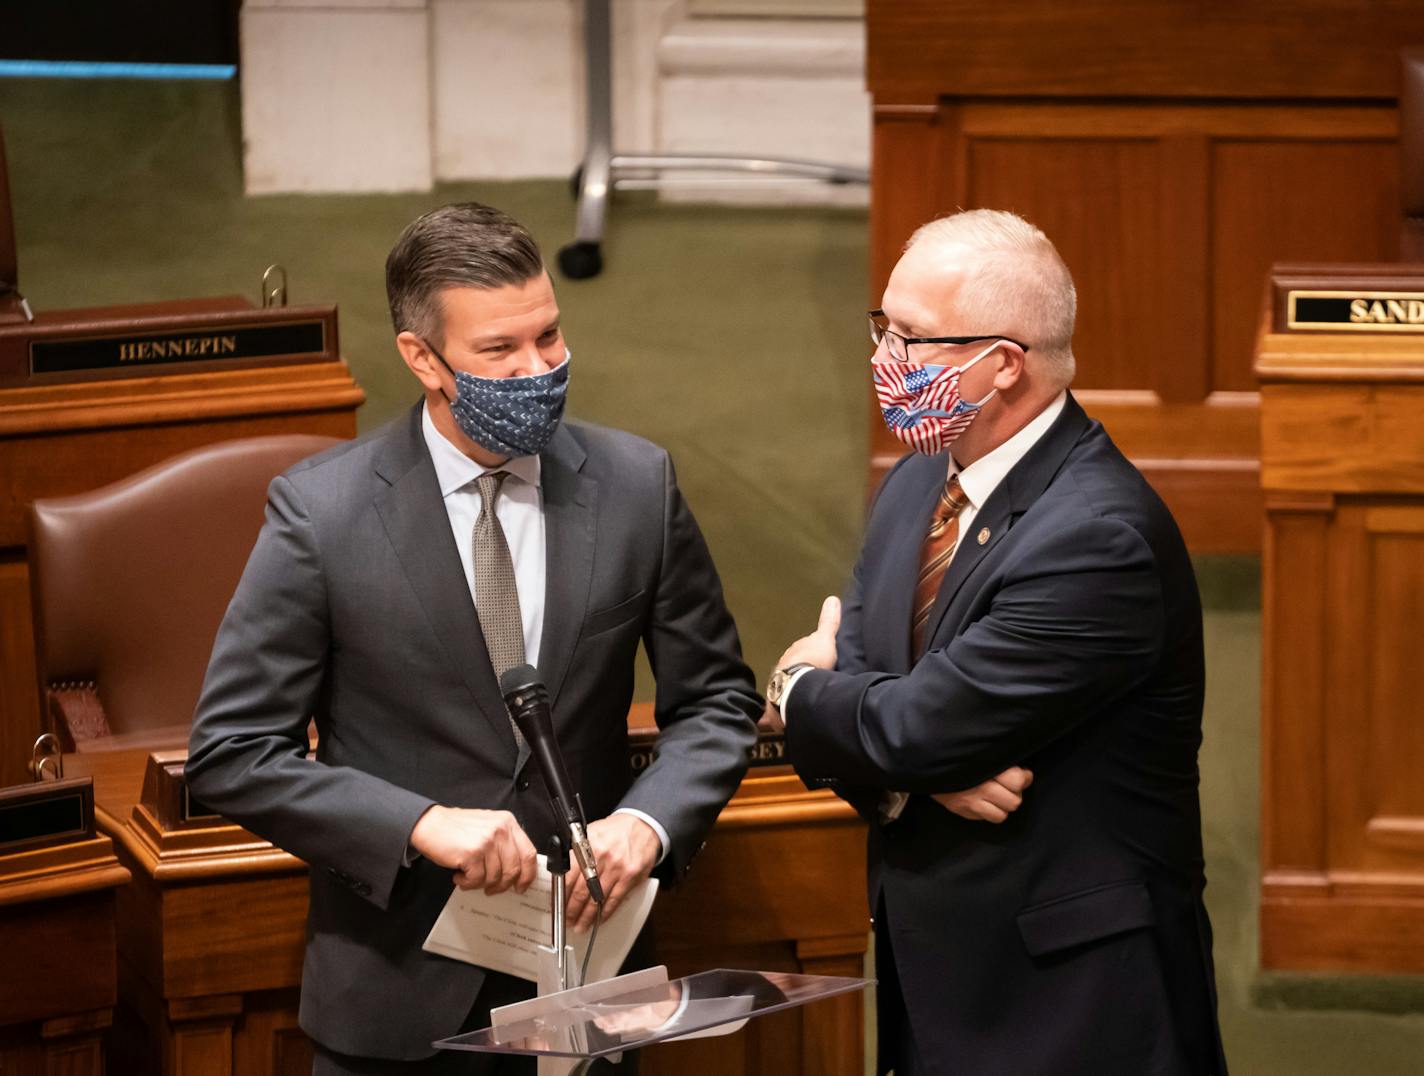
[1098,199]
[912,158]
[1310,49]
[1179,354]
[909,140]
[1168,224]
[1300,195]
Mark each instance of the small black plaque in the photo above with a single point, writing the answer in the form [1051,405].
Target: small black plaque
[1356,311]
[46,812]
[192,345]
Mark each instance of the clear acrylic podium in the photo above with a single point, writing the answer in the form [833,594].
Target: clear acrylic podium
[611,1017]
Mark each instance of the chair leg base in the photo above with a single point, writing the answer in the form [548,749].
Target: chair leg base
[581,260]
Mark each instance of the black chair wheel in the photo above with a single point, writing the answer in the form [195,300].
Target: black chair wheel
[579,261]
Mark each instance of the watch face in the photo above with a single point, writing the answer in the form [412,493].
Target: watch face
[776,686]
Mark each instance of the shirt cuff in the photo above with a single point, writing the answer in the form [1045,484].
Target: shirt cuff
[785,706]
[663,839]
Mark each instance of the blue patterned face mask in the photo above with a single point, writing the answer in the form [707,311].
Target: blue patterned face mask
[510,416]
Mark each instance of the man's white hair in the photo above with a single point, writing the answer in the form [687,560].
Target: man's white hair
[1016,283]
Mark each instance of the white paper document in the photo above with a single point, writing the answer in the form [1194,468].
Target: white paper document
[504,932]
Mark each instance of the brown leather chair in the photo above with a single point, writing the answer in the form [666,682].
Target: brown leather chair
[130,582]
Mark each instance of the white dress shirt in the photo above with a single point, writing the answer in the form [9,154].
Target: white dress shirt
[978,481]
[520,511]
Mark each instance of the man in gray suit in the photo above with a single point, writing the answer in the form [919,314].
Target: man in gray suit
[396,577]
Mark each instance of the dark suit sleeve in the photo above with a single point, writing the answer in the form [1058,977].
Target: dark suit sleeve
[1074,627]
[707,705]
[248,746]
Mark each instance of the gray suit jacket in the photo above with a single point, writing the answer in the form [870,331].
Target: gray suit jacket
[354,609]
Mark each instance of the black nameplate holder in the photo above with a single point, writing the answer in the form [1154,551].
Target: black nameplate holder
[166,795]
[46,813]
[769,750]
[132,350]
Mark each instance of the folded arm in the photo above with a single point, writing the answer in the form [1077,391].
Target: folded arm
[1060,639]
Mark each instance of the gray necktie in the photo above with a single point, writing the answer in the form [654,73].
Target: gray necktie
[496,593]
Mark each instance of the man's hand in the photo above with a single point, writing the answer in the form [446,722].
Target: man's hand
[486,849]
[627,850]
[818,648]
[993,801]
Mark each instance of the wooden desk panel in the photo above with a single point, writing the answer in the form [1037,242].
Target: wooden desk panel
[211,932]
[1342,805]
[57,936]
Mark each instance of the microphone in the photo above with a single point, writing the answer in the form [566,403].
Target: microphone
[528,702]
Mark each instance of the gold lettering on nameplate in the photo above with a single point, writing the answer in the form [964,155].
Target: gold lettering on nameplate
[765,752]
[768,751]
[187,347]
[1355,311]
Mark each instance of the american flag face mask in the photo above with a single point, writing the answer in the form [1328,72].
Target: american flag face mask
[921,404]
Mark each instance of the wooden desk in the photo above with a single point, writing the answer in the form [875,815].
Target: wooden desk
[57,934]
[211,932]
[1342,744]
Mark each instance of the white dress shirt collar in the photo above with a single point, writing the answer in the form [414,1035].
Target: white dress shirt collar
[983,476]
[454,470]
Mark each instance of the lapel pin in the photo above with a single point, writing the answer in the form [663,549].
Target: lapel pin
[983,535]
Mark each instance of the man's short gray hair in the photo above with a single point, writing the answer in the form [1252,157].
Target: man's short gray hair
[1017,283]
[461,245]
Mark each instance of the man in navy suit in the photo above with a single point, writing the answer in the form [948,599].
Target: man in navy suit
[1023,610]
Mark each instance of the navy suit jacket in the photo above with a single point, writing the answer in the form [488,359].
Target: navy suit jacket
[1067,638]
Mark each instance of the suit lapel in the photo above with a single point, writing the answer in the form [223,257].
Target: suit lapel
[1023,485]
[416,522]
[570,516]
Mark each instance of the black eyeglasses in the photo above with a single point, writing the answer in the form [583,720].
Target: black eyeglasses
[899,346]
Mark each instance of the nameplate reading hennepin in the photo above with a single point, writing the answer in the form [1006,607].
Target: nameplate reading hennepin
[150,349]
[1356,311]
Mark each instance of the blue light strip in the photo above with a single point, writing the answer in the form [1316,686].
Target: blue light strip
[87,69]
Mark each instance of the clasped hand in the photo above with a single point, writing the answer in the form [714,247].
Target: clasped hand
[489,850]
[991,801]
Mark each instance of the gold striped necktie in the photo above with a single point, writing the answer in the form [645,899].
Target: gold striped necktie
[935,556]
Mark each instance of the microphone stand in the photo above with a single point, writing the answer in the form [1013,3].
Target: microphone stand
[556,960]
[562,966]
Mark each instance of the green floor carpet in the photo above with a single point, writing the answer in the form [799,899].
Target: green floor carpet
[734,337]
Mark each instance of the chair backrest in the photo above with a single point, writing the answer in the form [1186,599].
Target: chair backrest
[130,581]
